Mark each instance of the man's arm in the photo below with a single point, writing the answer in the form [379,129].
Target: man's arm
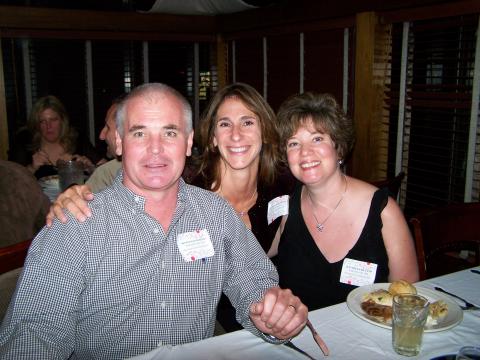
[41,320]
[252,286]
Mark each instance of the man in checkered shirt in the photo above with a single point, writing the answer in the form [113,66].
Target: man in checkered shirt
[148,268]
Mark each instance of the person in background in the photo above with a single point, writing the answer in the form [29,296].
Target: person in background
[105,173]
[52,139]
[239,160]
[340,232]
[23,206]
[150,264]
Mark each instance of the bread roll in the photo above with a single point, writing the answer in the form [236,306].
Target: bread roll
[401,287]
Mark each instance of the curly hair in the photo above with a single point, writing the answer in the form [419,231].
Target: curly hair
[68,135]
[209,159]
[326,115]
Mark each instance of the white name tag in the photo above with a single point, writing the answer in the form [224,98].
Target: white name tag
[195,245]
[358,273]
[277,207]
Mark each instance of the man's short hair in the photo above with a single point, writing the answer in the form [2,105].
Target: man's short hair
[146,90]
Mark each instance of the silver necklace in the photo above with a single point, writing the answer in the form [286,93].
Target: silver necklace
[321,225]
[243,213]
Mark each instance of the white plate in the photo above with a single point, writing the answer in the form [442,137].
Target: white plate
[454,315]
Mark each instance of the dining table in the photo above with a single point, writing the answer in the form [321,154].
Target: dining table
[348,335]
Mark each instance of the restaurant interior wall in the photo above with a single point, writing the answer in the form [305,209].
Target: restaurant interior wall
[437,110]
[269,54]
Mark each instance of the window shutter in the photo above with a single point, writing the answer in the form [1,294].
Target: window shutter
[441,57]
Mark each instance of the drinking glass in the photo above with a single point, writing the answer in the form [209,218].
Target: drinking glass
[469,353]
[409,316]
[70,172]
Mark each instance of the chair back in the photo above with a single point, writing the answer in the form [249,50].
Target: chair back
[393,184]
[447,238]
[13,256]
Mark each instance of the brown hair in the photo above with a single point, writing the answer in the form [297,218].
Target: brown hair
[209,160]
[326,115]
[68,135]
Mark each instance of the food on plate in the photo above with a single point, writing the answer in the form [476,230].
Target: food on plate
[401,287]
[436,311]
[378,303]
[381,312]
[380,297]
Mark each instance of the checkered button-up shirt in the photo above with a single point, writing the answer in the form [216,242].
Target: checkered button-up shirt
[116,285]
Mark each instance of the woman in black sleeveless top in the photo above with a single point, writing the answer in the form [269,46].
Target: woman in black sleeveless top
[340,232]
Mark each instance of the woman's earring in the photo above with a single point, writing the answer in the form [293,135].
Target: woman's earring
[340,162]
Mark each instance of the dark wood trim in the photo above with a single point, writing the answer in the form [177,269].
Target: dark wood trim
[105,35]
[456,8]
[27,20]
[326,24]
[301,13]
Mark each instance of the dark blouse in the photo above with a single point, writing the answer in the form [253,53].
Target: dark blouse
[258,212]
[264,233]
[303,268]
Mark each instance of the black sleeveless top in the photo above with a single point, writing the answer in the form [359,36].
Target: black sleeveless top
[303,268]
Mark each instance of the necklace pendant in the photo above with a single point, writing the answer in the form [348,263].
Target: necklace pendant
[319,227]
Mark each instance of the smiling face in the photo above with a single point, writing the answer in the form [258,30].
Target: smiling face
[155,143]
[237,135]
[50,124]
[311,154]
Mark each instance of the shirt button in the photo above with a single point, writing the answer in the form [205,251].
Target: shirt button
[137,199]
[163,264]
[133,211]
[156,231]
[162,305]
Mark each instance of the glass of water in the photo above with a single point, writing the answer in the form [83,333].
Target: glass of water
[409,316]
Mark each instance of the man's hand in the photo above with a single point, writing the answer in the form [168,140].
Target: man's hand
[74,199]
[279,313]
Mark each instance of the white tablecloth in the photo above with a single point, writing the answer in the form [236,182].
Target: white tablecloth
[347,336]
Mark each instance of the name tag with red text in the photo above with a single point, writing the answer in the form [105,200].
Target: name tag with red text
[358,273]
[195,245]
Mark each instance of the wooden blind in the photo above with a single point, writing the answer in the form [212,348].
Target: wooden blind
[441,56]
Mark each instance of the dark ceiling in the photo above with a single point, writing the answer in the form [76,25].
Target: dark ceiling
[111,5]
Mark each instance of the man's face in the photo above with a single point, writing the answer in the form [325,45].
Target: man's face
[155,143]
[108,132]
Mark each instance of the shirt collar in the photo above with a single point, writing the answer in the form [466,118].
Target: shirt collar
[137,201]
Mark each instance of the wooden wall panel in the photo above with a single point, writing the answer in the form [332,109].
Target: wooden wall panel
[283,68]
[324,62]
[249,62]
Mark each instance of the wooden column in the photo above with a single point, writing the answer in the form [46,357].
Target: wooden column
[371,74]
[3,112]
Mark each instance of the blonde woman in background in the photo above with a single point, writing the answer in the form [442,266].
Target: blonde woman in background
[52,139]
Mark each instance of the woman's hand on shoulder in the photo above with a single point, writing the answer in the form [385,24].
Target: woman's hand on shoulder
[73,199]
